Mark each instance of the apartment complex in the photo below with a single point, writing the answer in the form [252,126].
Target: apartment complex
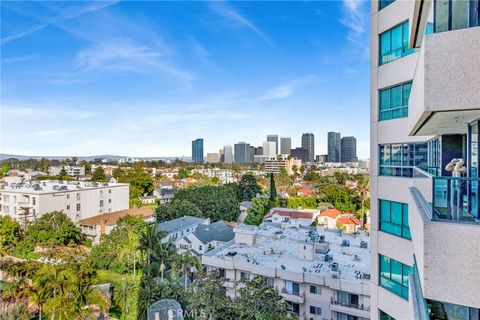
[321,276]
[72,171]
[274,165]
[425,111]
[29,200]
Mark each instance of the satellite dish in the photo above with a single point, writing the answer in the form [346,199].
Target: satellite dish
[168,309]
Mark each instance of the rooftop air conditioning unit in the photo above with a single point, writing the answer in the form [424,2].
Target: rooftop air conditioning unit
[345,243]
[334,266]
[363,244]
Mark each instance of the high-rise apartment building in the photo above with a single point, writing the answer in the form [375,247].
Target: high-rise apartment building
[348,150]
[425,111]
[308,143]
[241,152]
[273,138]
[334,147]
[227,154]
[197,151]
[285,145]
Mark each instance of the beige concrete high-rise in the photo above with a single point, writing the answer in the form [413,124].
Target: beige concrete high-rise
[425,111]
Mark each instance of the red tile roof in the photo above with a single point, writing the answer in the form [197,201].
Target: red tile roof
[307,192]
[111,218]
[294,214]
[332,213]
[346,220]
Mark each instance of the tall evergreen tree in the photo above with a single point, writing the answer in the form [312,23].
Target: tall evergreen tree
[273,189]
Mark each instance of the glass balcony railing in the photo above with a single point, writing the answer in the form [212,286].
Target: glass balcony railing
[449,198]
[456,199]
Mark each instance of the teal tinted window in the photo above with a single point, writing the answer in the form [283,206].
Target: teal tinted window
[394,218]
[394,101]
[384,3]
[394,43]
[394,276]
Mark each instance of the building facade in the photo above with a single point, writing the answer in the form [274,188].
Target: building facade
[348,150]
[72,171]
[227,154]
[334,147]
[273,138]
[308,143]
[425,111]
[197,151]
[285,145]
[300,153]
[269,149]
[27,201]
[320,275]
[242,152]
[212,158]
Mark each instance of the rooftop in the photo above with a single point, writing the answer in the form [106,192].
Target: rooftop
[294,213]
[217,231]
[179,224]
[112,218]
[54,186]
[332,213]
[277,247]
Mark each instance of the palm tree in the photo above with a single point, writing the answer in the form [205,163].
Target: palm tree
[148,241]
[54,285]
[182,262]
[130,249]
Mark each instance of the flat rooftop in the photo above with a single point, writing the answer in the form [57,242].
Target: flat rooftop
[53,186]
[273,249]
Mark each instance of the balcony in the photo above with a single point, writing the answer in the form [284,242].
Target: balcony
[444,96]
[351,309]
[443,219]
[292,296]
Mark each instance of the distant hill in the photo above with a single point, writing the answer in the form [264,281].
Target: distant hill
[4,156]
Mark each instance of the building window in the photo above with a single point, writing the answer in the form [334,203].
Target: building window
[315,310]
[68,207]
[109,200]
[293,307]
[347,299]
[101,193]
[34,201]
[15,211]
[393,102]
[394,218]
[394,276]
[109,190]
[270,281]
[78,207]
[292,287]
[440,310]
[244,275]
[399,159]
[101,203]
[200,248]
[344,316]
[384,3]
[315,290]
[456,14]
[222,272]
[68,196]
[385,316]
[14,199]
[78,196]
[394,43]
[6,209]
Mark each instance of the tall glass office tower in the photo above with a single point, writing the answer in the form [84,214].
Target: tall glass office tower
[197,151]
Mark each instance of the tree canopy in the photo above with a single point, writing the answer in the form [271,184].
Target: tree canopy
[258,210]
[176,209]
[248,187]
[98,174]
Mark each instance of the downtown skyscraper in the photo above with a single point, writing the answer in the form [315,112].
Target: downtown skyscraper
[348,149]
[334,147]
[308,143]
[285,145]
[197,151]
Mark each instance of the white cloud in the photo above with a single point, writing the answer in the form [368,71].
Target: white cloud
[47,111]
[229,13]
[279,92]
[349,72]
[69,13]
[355,19]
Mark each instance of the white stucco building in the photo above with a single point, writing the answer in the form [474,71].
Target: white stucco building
[321,276]
[29,200]
[425,111]
[296,217]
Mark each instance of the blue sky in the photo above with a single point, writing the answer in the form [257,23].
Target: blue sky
[146,78]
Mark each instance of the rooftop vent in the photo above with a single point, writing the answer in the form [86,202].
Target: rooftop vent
[283,267]
[334,266]
[322,238]
[356,258]
[345,243]
[231,253]
[328,257]
[363,244]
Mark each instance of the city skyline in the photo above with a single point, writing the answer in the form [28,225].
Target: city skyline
[70,97]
